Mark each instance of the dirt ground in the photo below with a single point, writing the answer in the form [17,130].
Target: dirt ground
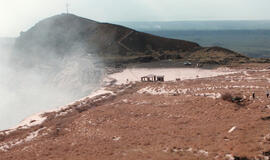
[187,120]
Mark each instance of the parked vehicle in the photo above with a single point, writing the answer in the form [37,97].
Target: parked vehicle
[187,63]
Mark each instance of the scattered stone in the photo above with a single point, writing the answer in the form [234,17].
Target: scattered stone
[229,157]
[266,118]
[116,138]
[176,149]
[267,107]
[190,150]
[166,150]
[232,129]
[267,153]
[226,138]
[203,152]
[240,158]
[267,137]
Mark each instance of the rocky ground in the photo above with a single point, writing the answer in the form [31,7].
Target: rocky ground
[189,119]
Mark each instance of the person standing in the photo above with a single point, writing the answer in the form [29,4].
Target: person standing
[267,94]
[253,95]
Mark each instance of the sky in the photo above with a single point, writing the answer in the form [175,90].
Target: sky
[20,15]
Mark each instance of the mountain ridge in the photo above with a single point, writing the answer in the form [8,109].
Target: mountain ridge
[67,33]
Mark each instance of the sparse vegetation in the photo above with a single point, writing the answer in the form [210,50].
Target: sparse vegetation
[235,98]
[227,97]
[2,138]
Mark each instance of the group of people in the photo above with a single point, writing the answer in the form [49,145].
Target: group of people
[267,95]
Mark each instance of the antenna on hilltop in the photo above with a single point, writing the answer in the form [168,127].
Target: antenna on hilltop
[67,6]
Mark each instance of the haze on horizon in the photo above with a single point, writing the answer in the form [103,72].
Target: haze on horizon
[18,15]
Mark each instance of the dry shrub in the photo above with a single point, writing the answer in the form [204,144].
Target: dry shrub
[235,98]
[2,138]
[227,97]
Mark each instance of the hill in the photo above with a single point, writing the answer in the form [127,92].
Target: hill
[67,34]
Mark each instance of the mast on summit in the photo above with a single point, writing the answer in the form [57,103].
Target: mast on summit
[67,7]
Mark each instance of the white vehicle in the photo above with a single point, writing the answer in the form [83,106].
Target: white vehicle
[187,63]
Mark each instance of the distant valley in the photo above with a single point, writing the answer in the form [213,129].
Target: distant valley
[251,38]
[252,43]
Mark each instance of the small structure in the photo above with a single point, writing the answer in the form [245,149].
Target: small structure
[160,78]
[152,78]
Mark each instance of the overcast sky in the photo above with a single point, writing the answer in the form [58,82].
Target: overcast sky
[18,15]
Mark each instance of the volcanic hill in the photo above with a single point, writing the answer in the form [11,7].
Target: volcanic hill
[210,116]
[66,33]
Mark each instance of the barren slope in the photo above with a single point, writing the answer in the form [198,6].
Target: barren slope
[171,120]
